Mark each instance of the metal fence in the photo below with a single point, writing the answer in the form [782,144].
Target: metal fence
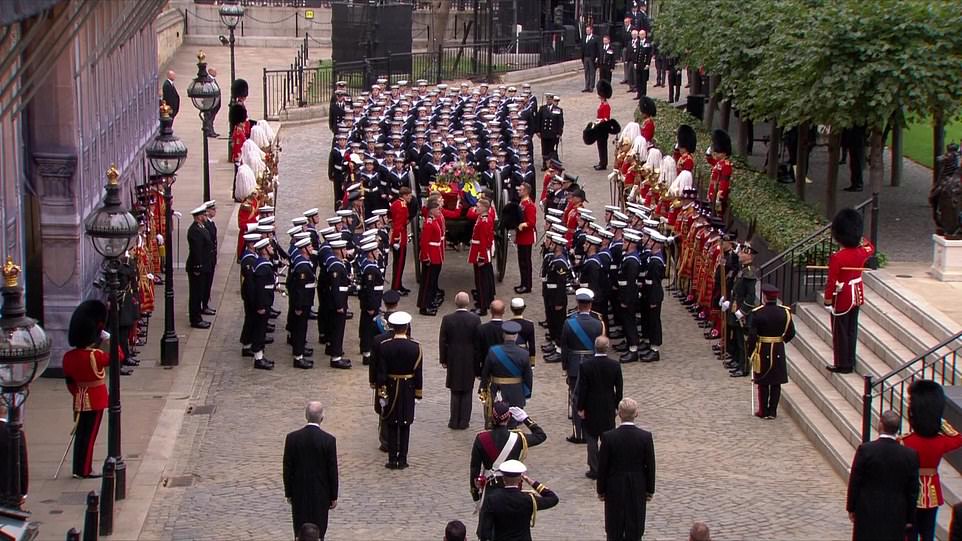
[305,84]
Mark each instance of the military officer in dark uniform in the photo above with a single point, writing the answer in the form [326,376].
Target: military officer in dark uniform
[372,289]
[301,283]
[745,297]
[212,229]
[199,266]
[340,282]
[398,381]
[526,338]
[263,302]
[556,293]
[577,346]
[510,512]
[552,128]
[770,326]
[391,298]
[506,371]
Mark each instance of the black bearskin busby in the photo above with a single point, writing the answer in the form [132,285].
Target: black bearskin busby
[926,404]
[604,89]
[86,322]
[237,114]
[686,138]
[589,135]
[511,215]
[239,89]
[647,106]
[847,228]
[614,128]
[721,142]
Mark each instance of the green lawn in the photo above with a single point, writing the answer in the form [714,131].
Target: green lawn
[917,140]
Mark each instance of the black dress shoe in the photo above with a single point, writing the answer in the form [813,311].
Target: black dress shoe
[209,312]
[522,290]
[402,465]
[275,313]
[547,348]
[852,189]
[572,439]
[200,325]
[126,371]
[312,316]
[428,312]
[591,475]
[651,357]
[620,347]
[391,465]
[263,364]
[629,357]
[738,374]
[349,315]
[270,327]
[543,324]
[341,363]
[616,334]
[838,370]
[600,167]
[552,358]
[403,292]
[131,361]
[90,475]
[308,352]
[269,340]
[731,365]
[303,363]
[246,352]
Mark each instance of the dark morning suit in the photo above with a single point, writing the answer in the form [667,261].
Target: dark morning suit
[458,342]
[310,475]
[600,387]
[626,476]
[883,488]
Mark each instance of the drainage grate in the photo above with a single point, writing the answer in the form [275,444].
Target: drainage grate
[181,481]
[205,409]
[903,275]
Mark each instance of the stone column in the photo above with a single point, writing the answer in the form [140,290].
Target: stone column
[63,238]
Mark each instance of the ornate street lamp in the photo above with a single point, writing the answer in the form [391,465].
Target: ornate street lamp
[230,15]
[205,93]
[24,354]
[166,153]
[112,229]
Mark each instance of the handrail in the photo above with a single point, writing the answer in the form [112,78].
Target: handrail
[931,351]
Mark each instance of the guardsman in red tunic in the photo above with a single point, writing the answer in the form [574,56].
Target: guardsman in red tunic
[648,110]
[525,237]
[603,117]
[684,161]
[482,248]
[721,171]
[931,438]
[84,369]
[432,254]
[399,237]
[843,290]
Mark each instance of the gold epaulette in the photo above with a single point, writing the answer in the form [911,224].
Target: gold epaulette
[948,429]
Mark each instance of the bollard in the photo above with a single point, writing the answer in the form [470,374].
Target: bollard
[73,535]
[91,517]
[107,498]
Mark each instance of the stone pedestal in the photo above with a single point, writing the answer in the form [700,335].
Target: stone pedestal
[946,259]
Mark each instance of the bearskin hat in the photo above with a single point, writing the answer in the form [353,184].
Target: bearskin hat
[926,404]
[721,142]
[614,128]
[604,89]
[239,89]
[589,135]
[237,114]
[87,321]
[686,138]
[847,227]
[647,106]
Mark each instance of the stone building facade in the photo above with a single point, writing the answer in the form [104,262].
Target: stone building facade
[78,92]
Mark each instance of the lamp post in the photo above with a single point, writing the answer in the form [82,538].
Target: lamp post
[24,354]
[111,229]
[230,15]
[205,94]
[166,153]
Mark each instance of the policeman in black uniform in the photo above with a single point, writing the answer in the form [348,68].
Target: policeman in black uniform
[199,266]
[262,301]
[578,345]
[398,379]
[369,295]
[340,282]
[301,283]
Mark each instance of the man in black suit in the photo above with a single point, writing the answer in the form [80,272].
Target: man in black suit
[507,512]
[457,341]
[310,471]
[170,94]
[626,475]
[599,391]
[883,487]
[577,346]
[199,266]
[624,37]
[589,57]
[606,58]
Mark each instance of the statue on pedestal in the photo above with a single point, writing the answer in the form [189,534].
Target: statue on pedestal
[945,197]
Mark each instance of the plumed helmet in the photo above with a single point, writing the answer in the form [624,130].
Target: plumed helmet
[721,142]
[237,114]
[87,321]
[686,138]
[239,88]
[847,227]
[647,106]
[604,89]
[926,404]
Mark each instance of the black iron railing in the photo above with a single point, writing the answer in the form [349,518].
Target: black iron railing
[303,83]
[799,271]
[940,364]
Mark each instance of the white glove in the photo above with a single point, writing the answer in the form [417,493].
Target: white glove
[150,276]
[104,336]
[397,245]
[739,314]
[382,402]
[828,308]
[726,305]
[160,240]
[517,413]
[178,214]
[721,301]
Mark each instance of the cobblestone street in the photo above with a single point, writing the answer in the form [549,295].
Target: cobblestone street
[747,479]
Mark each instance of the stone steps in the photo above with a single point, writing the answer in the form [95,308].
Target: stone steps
[894,327]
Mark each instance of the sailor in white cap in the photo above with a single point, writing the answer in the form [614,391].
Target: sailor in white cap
[200,266]
[301,284]
[594,274]
[654,294]
[629,297]
[577,345]
[398,381]
[262,302]
[555,294]
[526,338]
[248,261]
[510,513]
[369,295]
[340,281]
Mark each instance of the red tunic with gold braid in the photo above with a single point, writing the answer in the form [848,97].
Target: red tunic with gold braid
[145,284]
[246,214]
[685,162]
[930,451]
[84,370]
